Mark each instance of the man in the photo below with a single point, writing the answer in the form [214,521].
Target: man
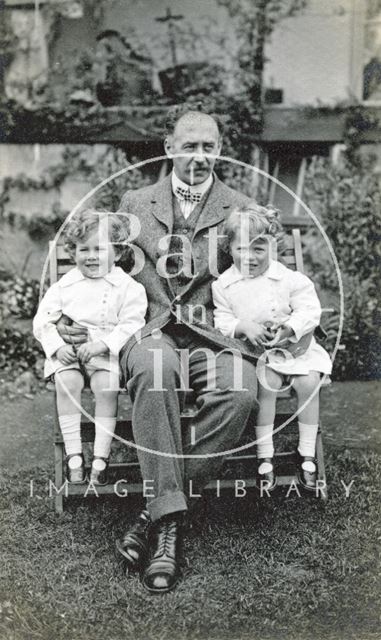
[188,208]
[181,236]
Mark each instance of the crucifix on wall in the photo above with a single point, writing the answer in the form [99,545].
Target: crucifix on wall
[171,19]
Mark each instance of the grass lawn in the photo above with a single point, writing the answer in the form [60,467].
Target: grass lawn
[284,568]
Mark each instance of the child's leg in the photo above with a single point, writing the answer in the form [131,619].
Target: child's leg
[265,421]
[309,416]
[69,385]
[106,405]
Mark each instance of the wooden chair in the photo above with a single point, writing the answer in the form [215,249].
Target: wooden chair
[237,466]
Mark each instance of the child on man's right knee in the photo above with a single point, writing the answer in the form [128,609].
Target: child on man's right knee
[110,305]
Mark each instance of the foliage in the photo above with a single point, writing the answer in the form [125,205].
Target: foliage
[347,198]
[18,351]
[357,122]
[19,297]
[51,121]
[110,162]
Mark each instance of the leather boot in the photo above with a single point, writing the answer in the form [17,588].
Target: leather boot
[163,571]
[134,545]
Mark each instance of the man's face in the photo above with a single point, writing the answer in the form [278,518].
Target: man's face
[196,135]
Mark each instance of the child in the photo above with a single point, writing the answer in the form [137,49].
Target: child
[260,300]
[102,298]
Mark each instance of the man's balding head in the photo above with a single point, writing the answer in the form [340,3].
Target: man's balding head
[184,114]
[192,142]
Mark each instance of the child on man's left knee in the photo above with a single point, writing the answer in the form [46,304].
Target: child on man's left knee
[260,300]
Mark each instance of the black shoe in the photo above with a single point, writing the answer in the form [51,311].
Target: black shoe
[134,545]
[265,481]
[163,571]
[99,477]
[307,479]
[77,475]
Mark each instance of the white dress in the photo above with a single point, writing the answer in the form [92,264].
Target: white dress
[279,295]
[111,308]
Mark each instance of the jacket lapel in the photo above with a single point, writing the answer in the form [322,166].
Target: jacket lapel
[215,207]
[161,202]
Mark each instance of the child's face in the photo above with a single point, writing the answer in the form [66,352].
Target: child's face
[95,255]
[251,257]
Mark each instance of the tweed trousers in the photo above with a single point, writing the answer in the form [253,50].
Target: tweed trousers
[164,444]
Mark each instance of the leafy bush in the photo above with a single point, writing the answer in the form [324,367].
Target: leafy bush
[109,196]
[19,297]
[18,351]
[347,198]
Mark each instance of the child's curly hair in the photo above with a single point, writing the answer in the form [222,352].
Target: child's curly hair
[262,221]
[87,222]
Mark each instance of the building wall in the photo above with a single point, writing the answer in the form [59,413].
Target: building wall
[313,56]
[32,161]
[316,56]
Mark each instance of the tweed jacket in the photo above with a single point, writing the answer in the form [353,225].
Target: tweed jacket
[152,207]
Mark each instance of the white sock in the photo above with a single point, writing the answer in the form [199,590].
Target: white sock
[104,430]
[264,434]
[71,433]
[307,439]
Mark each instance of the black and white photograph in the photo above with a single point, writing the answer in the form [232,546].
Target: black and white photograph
[190,319]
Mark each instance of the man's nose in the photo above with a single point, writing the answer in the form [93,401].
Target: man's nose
[199,155]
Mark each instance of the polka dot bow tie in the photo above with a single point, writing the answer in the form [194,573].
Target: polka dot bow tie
[185,194]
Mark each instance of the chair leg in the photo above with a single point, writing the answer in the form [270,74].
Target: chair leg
[59,475]
[322,479]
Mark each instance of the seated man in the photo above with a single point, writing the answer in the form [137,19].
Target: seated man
[181,220]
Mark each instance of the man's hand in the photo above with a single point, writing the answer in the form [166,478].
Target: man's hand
[90,349]
[66,354]
[256,333]
[71,332]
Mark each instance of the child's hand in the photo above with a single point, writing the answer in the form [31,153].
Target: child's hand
[66,354]
[253,331]
[282,335]
[90,349]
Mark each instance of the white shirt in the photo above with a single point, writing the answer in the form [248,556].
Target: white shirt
[279,295]
[187,207]
[112,308]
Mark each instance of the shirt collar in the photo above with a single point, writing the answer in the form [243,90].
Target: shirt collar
[114,277]
[275,271]
[196,188]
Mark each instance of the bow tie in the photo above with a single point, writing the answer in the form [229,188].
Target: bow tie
[185,194]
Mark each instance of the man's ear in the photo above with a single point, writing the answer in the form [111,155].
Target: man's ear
[168,146]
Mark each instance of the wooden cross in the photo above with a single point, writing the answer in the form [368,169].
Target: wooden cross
[171,34]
